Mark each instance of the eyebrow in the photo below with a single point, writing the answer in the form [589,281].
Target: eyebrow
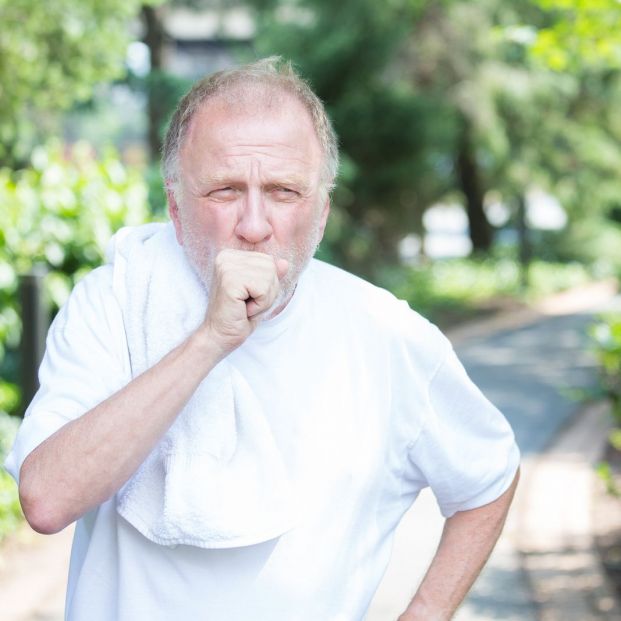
[277,180]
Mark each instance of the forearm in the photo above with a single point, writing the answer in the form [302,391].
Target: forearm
[85,462]
[467,541]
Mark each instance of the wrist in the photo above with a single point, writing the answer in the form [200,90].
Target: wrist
[420,611]
[206,346]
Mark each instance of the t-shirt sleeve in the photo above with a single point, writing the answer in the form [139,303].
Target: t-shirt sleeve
[85,362]
[466,450]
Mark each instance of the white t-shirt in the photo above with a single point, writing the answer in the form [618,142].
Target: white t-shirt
[368,404]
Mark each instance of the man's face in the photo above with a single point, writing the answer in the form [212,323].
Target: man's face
[250,180]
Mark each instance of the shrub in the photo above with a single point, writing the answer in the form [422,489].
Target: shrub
[10,510]
[606,338]
[59,212]
[469,283]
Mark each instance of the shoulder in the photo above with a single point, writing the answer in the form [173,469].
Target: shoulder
[372,307]
[92,292]
[342,287]
[91,297]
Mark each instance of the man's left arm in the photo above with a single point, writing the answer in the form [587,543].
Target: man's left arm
[467,541]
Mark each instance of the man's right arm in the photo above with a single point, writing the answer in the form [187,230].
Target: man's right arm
[90,458]
[85,462]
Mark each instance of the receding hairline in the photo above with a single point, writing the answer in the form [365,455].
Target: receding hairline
[255,101]
[271,78]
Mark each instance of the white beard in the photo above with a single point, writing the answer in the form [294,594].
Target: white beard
[202,259]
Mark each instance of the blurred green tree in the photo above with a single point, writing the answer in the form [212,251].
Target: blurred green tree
[472,56]
[580,43]
[53,54]
[581,32]
[447,99]
[513,111]
[521,123]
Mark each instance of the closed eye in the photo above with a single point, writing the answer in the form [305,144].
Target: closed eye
[284,193]
[223,194]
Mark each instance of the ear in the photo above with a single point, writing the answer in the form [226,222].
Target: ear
[325,212]
[173,211]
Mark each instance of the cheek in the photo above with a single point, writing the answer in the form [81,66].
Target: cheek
[289,232]
[215,224]
[297,223]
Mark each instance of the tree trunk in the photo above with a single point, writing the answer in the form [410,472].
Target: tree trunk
[470,183]
[154,37]
[524,242]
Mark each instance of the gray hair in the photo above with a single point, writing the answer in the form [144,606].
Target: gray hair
[272,72]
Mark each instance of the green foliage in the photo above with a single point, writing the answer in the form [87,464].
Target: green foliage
[10,510]
[8,429]
[53,54]
[164,91]
[464,286]
[59,213]
[606,474]
[590,241]
[416,88]
[62,210]
[582,32]
[606,338]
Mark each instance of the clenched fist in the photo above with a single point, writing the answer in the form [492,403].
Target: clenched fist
[245,285]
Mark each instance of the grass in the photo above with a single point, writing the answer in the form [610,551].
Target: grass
[451,290]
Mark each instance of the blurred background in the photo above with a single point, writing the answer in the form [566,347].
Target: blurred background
[480,175]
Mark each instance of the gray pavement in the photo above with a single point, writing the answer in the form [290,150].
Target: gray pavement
[527,373]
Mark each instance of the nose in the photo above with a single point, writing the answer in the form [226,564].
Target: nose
[253,223]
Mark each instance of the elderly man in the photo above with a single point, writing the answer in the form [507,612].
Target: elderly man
[236,428]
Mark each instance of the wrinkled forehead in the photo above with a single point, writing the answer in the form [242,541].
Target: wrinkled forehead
[254,101]
[251,116]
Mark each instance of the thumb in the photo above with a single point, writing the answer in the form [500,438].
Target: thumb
[282,267]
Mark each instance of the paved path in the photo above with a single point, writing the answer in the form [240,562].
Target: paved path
[524,366]
[527,370]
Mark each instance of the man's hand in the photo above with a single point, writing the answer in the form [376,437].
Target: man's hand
[245,285]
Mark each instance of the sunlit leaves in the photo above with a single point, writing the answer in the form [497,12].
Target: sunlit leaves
[53,54]
[63,209]
[580,33]
[60,212]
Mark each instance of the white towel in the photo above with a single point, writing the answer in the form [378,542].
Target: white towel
[216,479]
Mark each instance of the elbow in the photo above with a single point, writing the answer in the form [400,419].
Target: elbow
[38,508]
[40,516]
[42,525]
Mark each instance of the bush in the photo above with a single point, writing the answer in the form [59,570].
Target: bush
[594,241]
[10,511]
[59,212]
[606,338]
[467,284]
